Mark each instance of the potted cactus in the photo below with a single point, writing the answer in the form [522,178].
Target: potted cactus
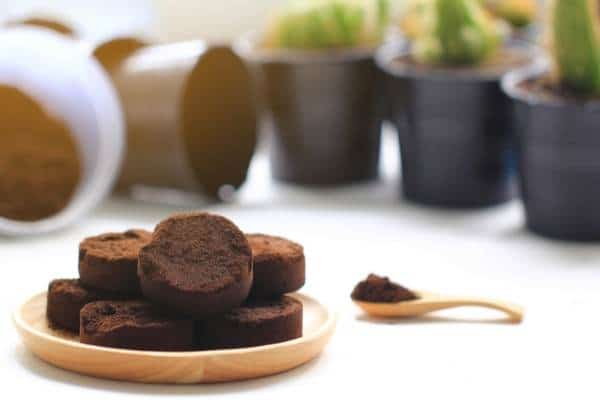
[557,119]
[320,86]
[446,102]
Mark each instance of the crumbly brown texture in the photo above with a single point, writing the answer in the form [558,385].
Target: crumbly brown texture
[255,323]
[39,160]
[135,325]
[279,266]
[377,289]
[66,297]
[198,264]
[109,261]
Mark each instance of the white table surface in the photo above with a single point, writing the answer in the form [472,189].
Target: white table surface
[348,233]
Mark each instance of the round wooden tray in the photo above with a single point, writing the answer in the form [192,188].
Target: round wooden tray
[64,350]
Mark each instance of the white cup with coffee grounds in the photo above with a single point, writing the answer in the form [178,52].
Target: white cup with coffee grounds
[63,132]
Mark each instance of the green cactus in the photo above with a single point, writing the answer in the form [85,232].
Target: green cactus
[322,24]
[460,32]
[576,43]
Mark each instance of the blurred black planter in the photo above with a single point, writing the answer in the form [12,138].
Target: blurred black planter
[559,160]
[326,111]
[454,130]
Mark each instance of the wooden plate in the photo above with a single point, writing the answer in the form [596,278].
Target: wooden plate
[64,350]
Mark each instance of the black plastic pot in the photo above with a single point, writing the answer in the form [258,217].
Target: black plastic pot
[326,111]
[559,160]
[454,131]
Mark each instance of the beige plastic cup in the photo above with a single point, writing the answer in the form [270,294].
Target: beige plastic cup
[55,72]
[191,117]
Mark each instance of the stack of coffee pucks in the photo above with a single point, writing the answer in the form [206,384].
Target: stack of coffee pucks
[196,283]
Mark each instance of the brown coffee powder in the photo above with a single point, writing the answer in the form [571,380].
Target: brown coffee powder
[379,289]
[40,166]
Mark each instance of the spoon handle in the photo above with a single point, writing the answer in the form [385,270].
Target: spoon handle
[514,312]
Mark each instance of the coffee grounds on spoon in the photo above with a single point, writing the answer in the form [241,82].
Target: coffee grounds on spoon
[377,289]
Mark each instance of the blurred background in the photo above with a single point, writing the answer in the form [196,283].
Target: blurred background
[167,20]
[186,111]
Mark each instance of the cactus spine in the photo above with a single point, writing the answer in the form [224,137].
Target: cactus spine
[460,33]
[576,43]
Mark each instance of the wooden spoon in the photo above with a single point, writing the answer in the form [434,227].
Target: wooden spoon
[430,302]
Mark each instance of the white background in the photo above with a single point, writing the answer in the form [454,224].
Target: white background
[348,233]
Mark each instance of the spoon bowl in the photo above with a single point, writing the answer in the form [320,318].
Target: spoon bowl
[430,302]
